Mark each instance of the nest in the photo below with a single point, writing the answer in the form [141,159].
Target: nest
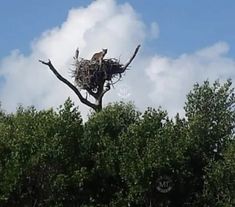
[90,75]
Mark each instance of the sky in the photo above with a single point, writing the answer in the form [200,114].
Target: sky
[182,42]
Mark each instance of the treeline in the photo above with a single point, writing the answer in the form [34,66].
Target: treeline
[121,157]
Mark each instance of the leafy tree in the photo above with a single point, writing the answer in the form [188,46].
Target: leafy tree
[153,147]
[210,113]
[102,144]
[219,188]
[211,116]
[121,157]
[38,151]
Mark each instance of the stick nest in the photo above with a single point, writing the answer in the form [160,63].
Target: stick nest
[90,75]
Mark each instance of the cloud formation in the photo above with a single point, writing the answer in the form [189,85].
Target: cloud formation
[103,24]
[152,81]
[173,78]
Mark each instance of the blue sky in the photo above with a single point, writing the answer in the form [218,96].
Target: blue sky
[191,41]
[185,25]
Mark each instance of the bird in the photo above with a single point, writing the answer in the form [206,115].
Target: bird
[99,56]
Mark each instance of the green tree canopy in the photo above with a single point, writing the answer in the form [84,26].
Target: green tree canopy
[121,157]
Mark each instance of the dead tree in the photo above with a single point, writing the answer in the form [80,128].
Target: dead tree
[95,77]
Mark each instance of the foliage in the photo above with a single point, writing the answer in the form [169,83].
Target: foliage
[219,187]
[120,156]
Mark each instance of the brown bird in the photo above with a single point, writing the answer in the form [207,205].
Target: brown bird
[99,56]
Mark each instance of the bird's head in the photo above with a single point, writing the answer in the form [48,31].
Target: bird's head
[104,51]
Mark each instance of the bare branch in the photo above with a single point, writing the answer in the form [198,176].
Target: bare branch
[92,77]
[76,54]
[132,58]
[70,85]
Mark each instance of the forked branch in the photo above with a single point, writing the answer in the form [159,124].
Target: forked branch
[93,77]
[70,85]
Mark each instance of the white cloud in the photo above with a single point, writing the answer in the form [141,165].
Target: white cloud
[151,81]
[173,78]
[103,24]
